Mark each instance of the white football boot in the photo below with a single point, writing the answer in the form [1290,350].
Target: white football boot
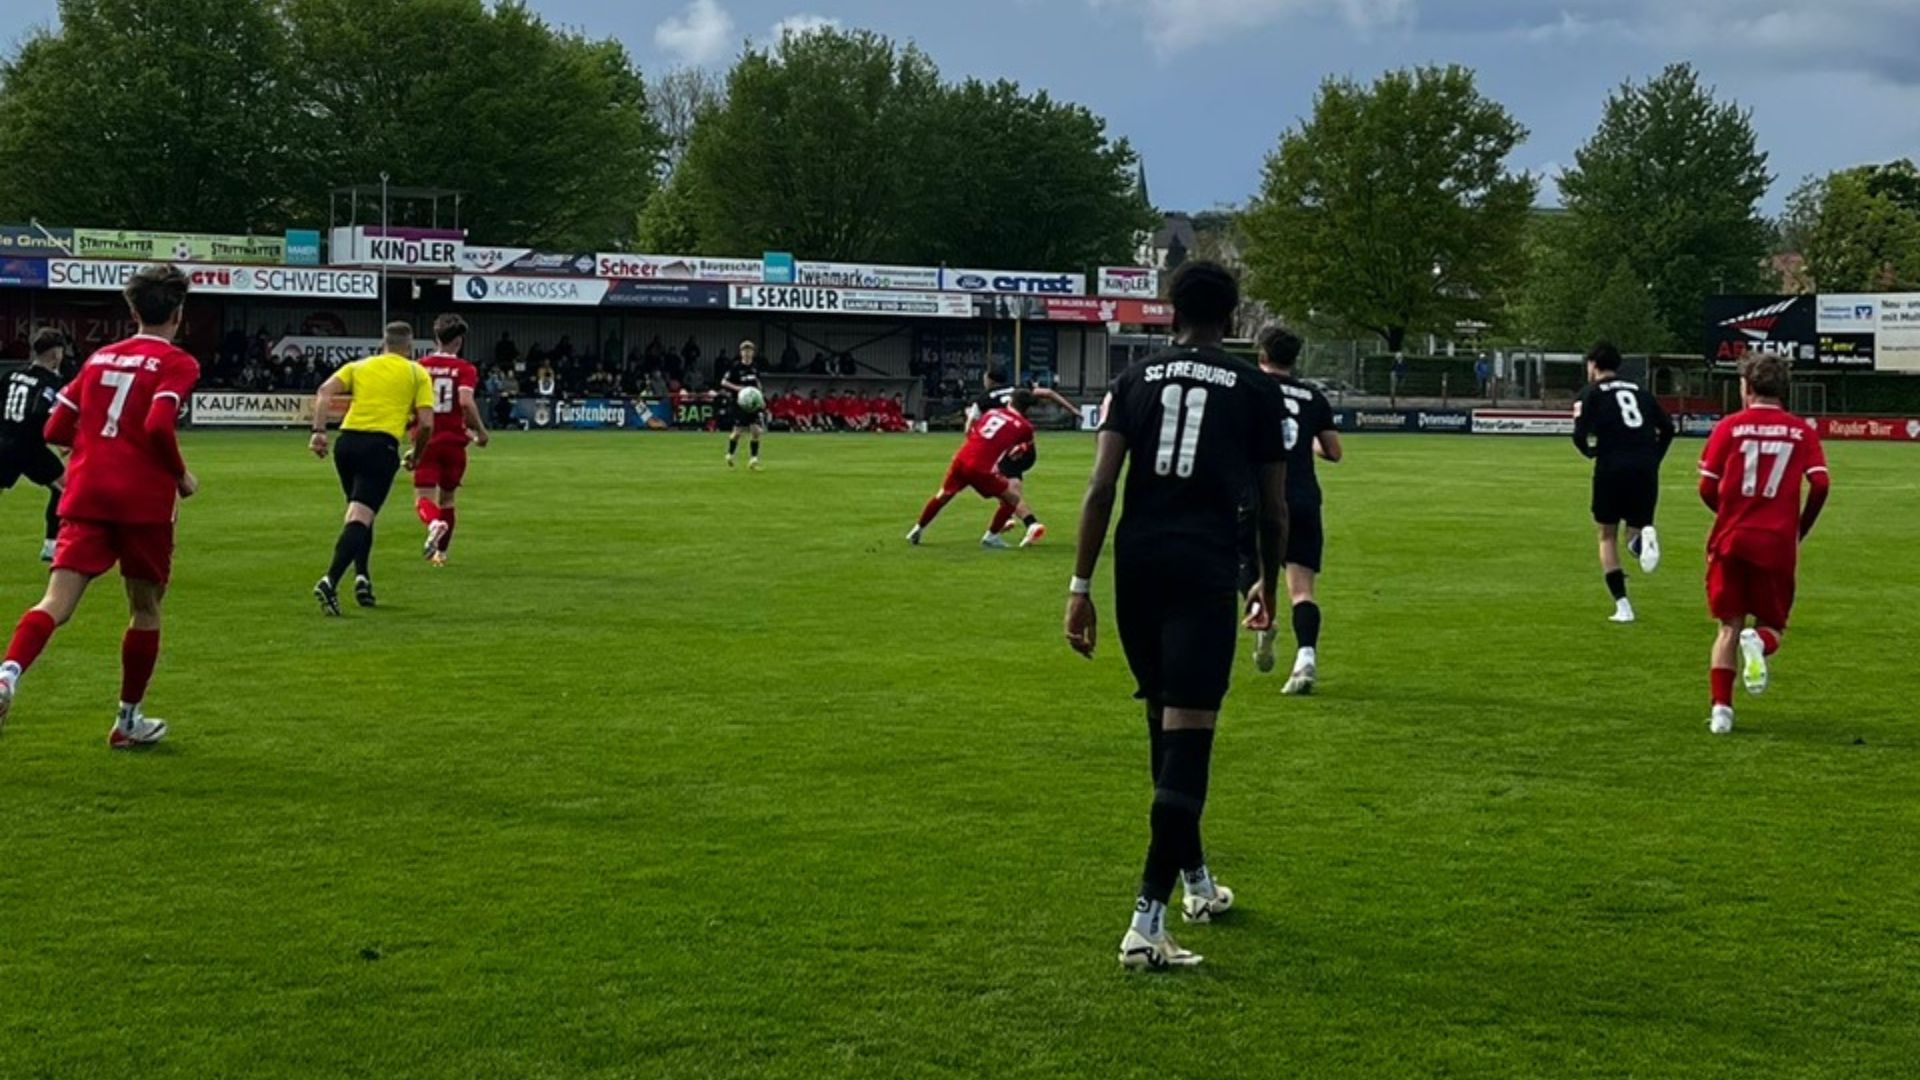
[1263,649]
[1199,908]
[1649,550]
[1753,668]
[1622,611]
[1142,953]
[1722,722]
[134,729]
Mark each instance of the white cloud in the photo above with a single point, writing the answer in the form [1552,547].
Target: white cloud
[1175,25]
[700,34]
[803,24]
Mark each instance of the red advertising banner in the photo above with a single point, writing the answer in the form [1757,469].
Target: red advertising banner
[1883,428]
[1108,310]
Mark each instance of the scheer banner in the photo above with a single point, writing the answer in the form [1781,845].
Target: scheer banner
[1521,422]
[215,409]
[1877,428]
[270,281]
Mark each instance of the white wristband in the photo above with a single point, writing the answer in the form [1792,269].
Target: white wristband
[1080,587]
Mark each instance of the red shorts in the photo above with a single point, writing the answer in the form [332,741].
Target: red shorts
[444,465]
[1737,588]
[144,552]
[990,485]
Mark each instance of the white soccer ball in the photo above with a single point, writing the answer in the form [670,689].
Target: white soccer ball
[751,399]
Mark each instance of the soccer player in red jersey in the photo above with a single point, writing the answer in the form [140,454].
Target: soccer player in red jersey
[124,481]
[995,437]
[1750,477]
[456,421]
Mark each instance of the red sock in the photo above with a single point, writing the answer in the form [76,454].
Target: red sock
[428,510]
[931,510]
[1001,516]
[1723,686]
[139,650]
[30,637]
[1769,640]
[446,538]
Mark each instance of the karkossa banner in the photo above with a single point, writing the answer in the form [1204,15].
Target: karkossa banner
[330,352]
[1521,422]
[1129,282]
[678,268]
[217,409]
[1018,282]
[835,275]
[290,281]
[822,301]
[1092,310]
[1879,428]
[511,260]
[563,291]
[178,247]
[398,248]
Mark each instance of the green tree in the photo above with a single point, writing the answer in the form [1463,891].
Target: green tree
[667,225]
[1672,182]
[816,149]
[1392,208]
[1859,229]
[1550,303]
[546,133]
[1024,181]
[176,115]
[1623,312]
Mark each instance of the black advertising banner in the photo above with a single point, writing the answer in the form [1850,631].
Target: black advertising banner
[25,241]
[669,294]
[1851,350]
[1783,326]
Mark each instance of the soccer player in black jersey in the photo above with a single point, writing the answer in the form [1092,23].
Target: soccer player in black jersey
[998,394]
[1309,431]
[23,421]
[1195,428]
[1625,431]
[740,376]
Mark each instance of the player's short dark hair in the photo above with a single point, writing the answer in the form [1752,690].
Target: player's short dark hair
[156,293]
[997,377]
[1023,401]
[1204,294]
[48,338]
[449,328]
[1604,357]
[1767,376]
[1280,346]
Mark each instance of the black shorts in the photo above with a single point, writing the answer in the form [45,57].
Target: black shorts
[1306,542]
[367,462]
[744,419]
[1017,464]
[35,461]
[1629,494]
[1179,639]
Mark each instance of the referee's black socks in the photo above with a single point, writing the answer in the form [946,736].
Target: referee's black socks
[753,449]
[1306,624]
[355,540]
[1617,584]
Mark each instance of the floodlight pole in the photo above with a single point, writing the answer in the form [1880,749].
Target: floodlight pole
[383,262]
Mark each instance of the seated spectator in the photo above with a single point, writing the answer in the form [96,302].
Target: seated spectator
[847,365]
[819,364]
[790,357]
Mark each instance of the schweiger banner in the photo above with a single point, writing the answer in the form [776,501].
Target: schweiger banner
[178,247]
[821,301]
[102,276]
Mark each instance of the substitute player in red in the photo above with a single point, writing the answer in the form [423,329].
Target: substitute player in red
[1750,477]
[124,481]
[993,439]
[456,421]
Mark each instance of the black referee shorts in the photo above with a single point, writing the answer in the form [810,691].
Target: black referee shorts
[1629,493]
[1179,639]
[33,460]
[366,462]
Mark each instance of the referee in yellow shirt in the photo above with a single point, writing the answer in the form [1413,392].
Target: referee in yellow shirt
[389,391]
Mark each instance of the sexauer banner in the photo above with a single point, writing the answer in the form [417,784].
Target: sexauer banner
[541,413]
[1521,422]
[485,289]
[512,260]
[23,273]
[271,281]
[30,240]
[1105,310]
[865,276]
[178,247]
[823,301]
[220,409]
[1024,283]
[399,248]
[1783,326]
[678,268]
[1132,282]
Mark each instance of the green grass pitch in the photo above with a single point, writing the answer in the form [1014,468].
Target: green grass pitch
[678,772]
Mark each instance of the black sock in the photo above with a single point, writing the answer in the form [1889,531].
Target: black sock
[1156,741]
[753,448]
[1306,624]
[346,549]
[1617,584]
[1030,520]
[733,445]
[365,553]
[53,513]
[1178,800]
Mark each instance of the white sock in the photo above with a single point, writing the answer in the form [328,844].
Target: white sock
[1306,657]
[10,671]
[1199,883]
[127,712]
[1149,917]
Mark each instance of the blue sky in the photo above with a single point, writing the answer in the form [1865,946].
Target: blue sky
[1204,87]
